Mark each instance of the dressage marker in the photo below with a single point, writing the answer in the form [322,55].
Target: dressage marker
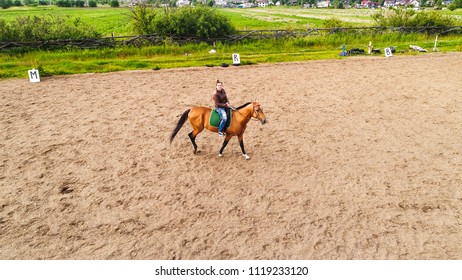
[388,52]
[236,59]
[34,76]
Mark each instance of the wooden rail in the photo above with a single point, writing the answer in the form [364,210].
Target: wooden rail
[154,39]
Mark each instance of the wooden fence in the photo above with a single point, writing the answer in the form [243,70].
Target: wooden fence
[153,39]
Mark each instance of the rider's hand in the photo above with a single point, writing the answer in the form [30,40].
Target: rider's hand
[231,107]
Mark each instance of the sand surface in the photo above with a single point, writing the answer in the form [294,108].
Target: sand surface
[361,159]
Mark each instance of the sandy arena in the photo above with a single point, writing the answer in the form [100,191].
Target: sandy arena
[361,159]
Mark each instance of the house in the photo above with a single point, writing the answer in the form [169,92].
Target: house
[245,5]
[132,3]
[401,2]
[182,3]
[263,3]
[221,3]
[414,3]
[405,3]
[346,4]
[369,4]
[389,3]
[323,4]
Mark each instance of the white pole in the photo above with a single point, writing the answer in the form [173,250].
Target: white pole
[435,49]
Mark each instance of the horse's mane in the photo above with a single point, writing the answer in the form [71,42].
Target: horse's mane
[242,106]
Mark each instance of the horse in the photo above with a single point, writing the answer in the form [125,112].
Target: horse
[199,119]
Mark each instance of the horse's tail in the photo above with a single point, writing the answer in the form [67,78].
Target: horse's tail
[180,123]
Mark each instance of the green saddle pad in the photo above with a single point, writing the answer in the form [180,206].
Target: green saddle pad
[215,118]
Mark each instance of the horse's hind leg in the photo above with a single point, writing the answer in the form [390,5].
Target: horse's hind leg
[192,136]
[197,122]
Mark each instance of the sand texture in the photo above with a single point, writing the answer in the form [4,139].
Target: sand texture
[361,159]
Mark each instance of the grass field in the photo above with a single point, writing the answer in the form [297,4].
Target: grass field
[291,17]
[116,20]
[108,20]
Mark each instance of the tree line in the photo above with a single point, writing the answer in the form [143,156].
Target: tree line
[5,4]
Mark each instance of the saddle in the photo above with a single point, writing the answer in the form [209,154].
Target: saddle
[215,118]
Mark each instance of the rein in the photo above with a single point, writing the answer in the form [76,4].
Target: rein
[250,118]
[240,113]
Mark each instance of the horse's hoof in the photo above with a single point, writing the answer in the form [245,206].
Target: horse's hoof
[246,156]
[220,155]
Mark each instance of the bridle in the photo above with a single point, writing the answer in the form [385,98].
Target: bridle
[253,112]
[257,112]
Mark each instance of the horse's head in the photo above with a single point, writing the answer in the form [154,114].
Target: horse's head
[258,112]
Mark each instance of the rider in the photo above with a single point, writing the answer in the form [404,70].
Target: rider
[221,103]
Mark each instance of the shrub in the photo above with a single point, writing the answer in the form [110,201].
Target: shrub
[92,3]
[115,4]
[142,18]
[209,23]
[333,22]
[432,18]
[411,18]
[199,21]
[457,3]
[48,27]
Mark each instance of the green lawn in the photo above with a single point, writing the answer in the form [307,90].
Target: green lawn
[296,17]
[108,20]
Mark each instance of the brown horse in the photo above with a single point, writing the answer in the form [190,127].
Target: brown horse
[199,119]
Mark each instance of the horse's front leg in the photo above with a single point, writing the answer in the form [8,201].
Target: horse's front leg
[224,145]
[241,143]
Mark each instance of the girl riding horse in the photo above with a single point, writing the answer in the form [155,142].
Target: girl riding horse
[199,116]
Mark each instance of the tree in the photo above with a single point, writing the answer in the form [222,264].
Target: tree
[79,3]
[439,4]
[5,4]
[143,18]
